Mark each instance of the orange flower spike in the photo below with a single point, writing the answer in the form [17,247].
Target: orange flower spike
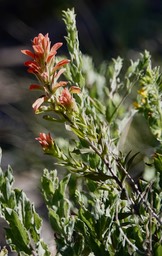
[39,51]
[38,40]
[41,46]
[56,46]
[43,62]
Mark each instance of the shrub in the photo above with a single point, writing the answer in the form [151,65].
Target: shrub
[102,205]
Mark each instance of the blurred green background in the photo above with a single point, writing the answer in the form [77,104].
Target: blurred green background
[107,28]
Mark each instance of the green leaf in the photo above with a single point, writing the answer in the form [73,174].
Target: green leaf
[9,175]
[64,208]
[115,70]
[59,192]
[76,131]
[129,161]
[17,232]
[55,221]
[42,249]
[63,184]
[158,250]
[36,225]
[49,182]
[87,219]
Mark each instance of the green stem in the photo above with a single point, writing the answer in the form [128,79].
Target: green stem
[106,162]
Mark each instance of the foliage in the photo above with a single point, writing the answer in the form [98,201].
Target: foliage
[99,207]
[23,233]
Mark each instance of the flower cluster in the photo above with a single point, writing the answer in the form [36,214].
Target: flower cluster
[43,65]
[149,100]
[142,98]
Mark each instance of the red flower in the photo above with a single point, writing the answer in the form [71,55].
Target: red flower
[46,141]
[66,98]
[43,61]
[42,51]
[43,66]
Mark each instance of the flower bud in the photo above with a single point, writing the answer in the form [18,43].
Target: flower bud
[46,142]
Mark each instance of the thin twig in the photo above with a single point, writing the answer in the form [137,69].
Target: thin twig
[141,198]
[124,235]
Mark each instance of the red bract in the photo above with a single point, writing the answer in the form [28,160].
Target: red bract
[33,67]
[66,98]
[43,59]
[41,46]
[45,140]
[38,103]
[48,72]
[61,63]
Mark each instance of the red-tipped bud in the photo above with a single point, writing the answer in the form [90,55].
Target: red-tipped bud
[46,141]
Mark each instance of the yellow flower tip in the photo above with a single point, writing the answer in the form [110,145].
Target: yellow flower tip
[74,89]
[143,100]
[136,105]
[143,92]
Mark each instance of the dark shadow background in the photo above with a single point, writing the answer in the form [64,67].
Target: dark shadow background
[107,28]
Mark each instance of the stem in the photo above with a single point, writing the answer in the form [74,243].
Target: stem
[141,198]
[150,228]
[124,235]
[106,162]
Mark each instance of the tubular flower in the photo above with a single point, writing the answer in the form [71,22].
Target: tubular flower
[38,103]
[46,142]
[43,64]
